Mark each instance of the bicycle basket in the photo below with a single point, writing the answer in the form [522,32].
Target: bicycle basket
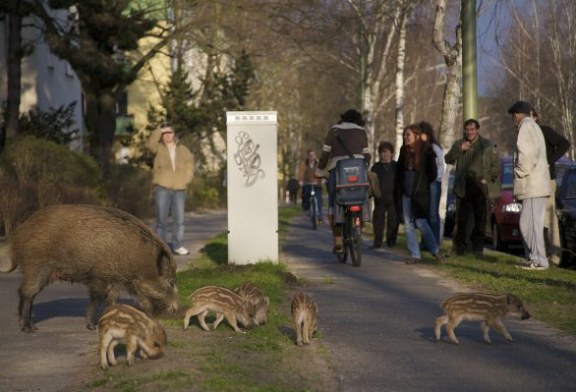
[351,181]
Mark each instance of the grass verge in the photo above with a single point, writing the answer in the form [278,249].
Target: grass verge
[263,359]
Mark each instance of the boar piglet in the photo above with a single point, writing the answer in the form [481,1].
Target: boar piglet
[107,249]
[255,301]
[304,317]
[124,323]
[487,308]
[224,302]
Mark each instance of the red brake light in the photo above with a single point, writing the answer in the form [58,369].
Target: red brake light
[355,208]
[352,178]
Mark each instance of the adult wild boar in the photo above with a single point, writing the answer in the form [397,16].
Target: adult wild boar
[105,248]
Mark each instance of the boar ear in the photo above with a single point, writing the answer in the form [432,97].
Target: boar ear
[165,264]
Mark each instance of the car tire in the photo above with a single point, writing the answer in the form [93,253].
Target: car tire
[497,242]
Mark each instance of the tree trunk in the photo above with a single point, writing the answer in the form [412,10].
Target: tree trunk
[101,125]
[453,59]
[400,62]
[14,70]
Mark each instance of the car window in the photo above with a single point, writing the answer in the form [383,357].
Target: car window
[507,175]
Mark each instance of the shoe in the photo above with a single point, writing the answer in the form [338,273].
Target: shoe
[412,260]
[533,267]
[320,221]
[181,251]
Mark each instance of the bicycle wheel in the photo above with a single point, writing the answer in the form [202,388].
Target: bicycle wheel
[342,257]
[314,211]
[354,241]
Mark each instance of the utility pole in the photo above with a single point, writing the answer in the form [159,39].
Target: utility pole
[469,60]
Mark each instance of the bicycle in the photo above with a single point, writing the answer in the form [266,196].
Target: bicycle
[313,210]
[352,189]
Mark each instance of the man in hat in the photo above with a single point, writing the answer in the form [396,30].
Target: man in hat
[173,172]
[531,183]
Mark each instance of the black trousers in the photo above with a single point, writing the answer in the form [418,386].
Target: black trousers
[471,210]
[385,215]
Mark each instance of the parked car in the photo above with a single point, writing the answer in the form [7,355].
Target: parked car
[504,217]
[503,228]
[566,211]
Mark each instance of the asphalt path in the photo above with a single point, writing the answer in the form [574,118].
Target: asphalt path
[377,321]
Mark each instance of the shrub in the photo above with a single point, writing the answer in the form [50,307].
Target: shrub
[35,173]
[130,189]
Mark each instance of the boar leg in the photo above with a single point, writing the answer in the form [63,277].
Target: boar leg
[131,347]
[309,332]
[485,332]
[298,329]
[501,329]
[110,353]
[440,321]
[219,318]
[193,311]
[99,292]
[29,288]
[450,326]
[231,319]
[105,342]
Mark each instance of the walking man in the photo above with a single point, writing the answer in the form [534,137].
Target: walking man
[477,164]
[531,183]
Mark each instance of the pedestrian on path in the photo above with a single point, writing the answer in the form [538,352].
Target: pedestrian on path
[531,183]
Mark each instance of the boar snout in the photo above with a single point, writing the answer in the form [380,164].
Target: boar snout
[525,315]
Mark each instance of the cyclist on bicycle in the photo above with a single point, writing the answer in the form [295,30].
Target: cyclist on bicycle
[308,180]
[346,138]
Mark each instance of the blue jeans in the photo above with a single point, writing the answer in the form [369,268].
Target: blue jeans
[434,218]
[410,224]
[170,200]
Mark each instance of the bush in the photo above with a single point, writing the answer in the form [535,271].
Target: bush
[35,173]
[206,192]
[130,189]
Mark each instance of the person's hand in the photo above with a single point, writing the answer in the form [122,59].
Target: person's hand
[319,173]
[465,146]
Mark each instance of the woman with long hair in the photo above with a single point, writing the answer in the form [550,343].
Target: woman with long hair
[416,171]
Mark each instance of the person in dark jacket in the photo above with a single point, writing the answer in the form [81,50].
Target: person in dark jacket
[346,138]
[556,147]
[477,164]
[385,206]
[416,171]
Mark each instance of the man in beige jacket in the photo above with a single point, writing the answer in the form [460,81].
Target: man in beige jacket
[531,183]
[173,172]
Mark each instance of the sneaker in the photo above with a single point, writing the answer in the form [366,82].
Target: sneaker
[533,267]
[181,251]
[412,260]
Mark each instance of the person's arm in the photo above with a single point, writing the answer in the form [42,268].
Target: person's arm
[441,166]
[494,164]
[154,140]
[526,147]
[188,164]
[430,167]
[455,152]
[326,150]
[558,144]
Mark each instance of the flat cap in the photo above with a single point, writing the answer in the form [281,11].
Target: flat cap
[521,107]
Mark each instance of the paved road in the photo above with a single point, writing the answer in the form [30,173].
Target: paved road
[61,354]
[377,321]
